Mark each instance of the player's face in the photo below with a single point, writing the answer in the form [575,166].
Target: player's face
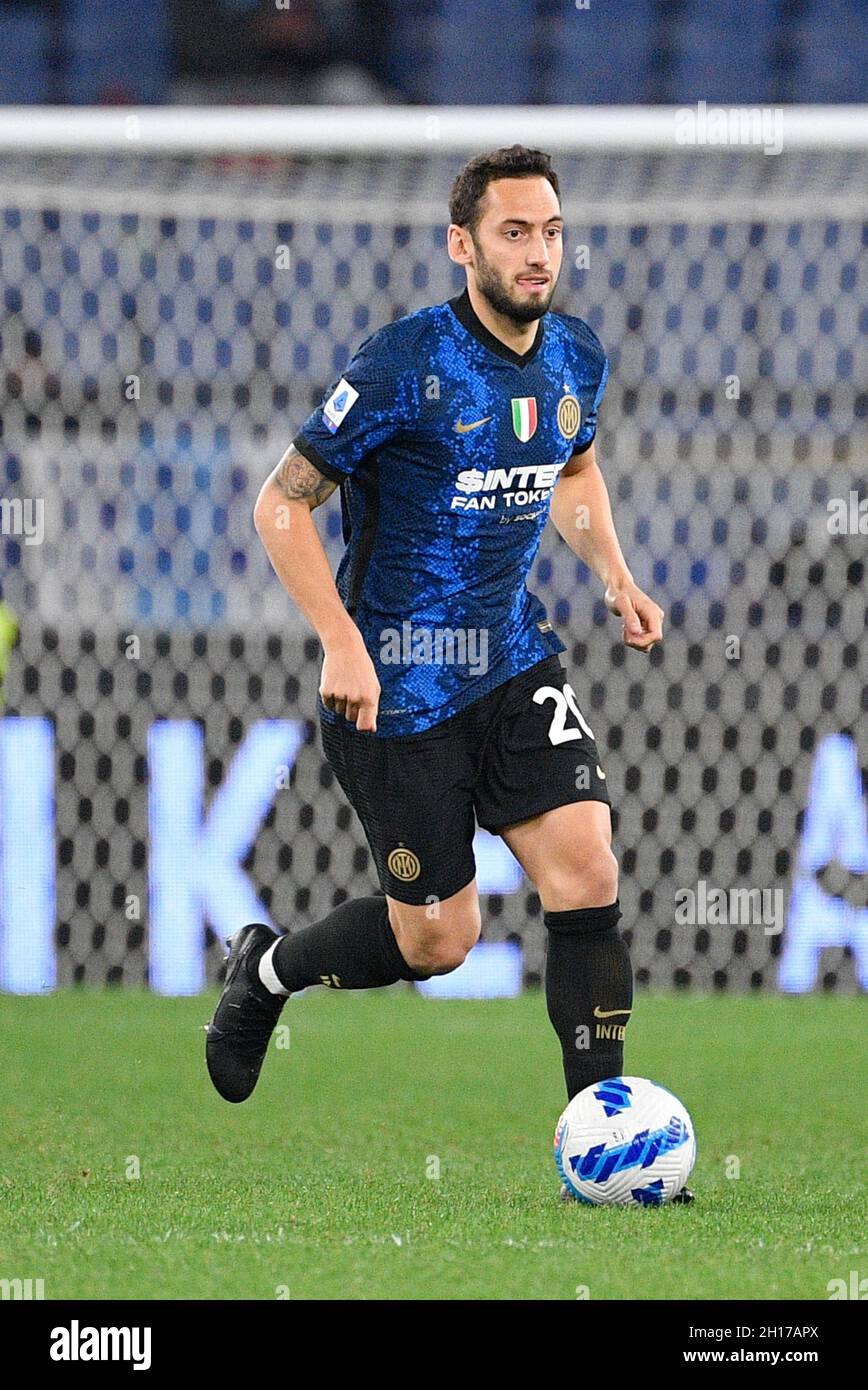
[519,247]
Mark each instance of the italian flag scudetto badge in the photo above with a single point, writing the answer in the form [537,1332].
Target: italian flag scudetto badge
[524,416]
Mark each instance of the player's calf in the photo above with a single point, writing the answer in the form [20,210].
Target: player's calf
[589,982]
[589,992]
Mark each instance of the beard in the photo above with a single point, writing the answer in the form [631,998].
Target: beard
[496,291]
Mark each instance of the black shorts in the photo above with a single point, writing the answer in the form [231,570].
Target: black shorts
[503,759]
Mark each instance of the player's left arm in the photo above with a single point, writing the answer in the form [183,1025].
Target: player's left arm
[582,513]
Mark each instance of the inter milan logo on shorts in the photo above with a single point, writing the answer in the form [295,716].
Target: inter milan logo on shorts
[569,416]
[524,417]
[404,864]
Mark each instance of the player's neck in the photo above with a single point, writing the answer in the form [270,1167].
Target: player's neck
[520,337]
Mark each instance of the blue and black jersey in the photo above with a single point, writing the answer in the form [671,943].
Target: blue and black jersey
[448,445]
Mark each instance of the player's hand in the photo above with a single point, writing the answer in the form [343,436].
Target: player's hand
[349,684]
[643,618]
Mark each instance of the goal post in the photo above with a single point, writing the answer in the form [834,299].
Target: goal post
[389,130]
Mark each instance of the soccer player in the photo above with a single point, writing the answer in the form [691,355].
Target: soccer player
[453,434]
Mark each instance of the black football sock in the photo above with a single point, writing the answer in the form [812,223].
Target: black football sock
[589,992]
[353,948]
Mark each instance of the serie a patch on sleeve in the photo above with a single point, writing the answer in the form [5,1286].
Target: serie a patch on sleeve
[339,405]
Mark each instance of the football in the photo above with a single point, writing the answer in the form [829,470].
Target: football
[625,1142]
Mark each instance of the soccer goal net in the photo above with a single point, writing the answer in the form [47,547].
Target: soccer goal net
[179,288]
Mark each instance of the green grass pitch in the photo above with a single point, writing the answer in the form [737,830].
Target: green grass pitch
[323,1184]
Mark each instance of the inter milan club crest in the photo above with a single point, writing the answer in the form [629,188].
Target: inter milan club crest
[524,416]
[569,416]
[404,864]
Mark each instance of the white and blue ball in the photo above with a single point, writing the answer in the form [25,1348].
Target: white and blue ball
[625,1142]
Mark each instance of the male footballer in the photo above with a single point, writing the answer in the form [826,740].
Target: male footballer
[454,434]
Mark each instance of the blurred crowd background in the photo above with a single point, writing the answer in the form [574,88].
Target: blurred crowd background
[432,51]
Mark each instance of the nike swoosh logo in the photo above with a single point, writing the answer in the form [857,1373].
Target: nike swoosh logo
[609,1013]
[474,425]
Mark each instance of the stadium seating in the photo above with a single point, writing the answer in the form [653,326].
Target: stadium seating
[24,41]
[831,38]
[602,54]
[116,52]
[720,55]
[447,52]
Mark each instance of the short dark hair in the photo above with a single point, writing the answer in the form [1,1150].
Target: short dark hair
[514,162]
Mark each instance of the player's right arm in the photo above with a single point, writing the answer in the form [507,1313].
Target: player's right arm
[284,521]
[378,396]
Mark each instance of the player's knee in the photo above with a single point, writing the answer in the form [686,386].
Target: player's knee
[586,878]
[442,948]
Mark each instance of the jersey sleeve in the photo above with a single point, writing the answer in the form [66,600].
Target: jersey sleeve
[587,433]
[377,396]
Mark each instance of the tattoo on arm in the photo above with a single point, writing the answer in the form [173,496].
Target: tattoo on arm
[299,481]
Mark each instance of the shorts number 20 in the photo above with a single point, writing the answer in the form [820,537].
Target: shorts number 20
[564,699]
